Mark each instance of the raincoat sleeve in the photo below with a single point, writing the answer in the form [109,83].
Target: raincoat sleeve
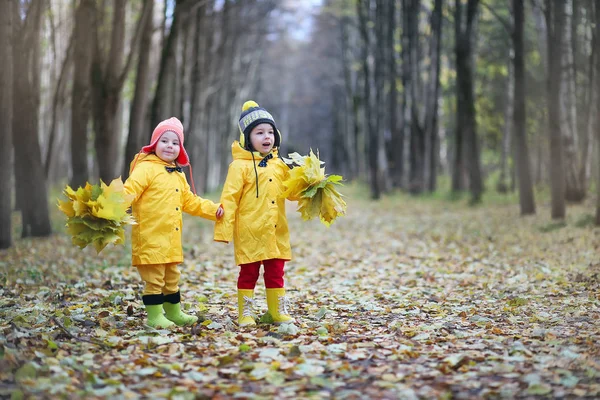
[230,198]
[137,182]
[197,206]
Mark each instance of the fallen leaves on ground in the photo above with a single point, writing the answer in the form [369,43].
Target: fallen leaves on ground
[399,299]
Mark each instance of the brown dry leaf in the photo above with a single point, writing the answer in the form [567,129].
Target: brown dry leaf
[408,299]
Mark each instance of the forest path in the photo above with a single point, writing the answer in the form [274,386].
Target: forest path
[403,298]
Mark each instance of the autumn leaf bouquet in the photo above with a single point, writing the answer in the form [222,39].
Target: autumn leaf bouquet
[97,214]
[316,192]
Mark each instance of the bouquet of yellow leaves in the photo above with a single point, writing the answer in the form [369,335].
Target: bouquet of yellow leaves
[97,214]
[315,191]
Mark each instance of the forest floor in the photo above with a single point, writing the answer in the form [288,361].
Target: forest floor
[403,298]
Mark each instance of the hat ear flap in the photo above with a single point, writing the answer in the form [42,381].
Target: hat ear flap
[278,138]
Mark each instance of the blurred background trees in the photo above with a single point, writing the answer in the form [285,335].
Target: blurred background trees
[413,95]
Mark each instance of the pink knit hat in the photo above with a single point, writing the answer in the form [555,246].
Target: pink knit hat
[174,125]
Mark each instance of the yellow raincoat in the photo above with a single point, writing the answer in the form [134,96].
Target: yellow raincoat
[257,225]
[160,198]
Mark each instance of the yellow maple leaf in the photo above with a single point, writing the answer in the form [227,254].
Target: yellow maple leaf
[97,214]
[315,191]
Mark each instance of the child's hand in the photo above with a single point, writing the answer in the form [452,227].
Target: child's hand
[220,212]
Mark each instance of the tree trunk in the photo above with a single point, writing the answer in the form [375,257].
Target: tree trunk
[198,139]
[363,9]
[431,121]
[526,200]
[458,161]
[81,95]
[380,108]
[57,102]
[417,134]
[6,105]
[597,34]
[465,97]
[587,142]
[161,107]
[555,23]
[541,162]
[405,113]
[139,104]
[393,154]
[350,118]
[502,185]
[574,190]
[108,77]
[29,171]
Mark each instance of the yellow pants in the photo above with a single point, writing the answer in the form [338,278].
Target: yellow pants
[160,278]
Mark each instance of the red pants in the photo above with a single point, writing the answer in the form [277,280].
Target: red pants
[273,274]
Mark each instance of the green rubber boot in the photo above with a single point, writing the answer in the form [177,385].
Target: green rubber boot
[156,318]
[172,306]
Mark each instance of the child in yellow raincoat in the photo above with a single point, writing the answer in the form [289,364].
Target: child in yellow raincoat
[255,219]
[160,195]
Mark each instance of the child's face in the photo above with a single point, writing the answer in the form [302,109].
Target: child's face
[167,148]
[262,138]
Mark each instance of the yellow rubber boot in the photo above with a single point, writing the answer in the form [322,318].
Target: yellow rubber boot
[245,303]
[277,303]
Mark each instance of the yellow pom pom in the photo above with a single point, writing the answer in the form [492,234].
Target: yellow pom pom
[249,104]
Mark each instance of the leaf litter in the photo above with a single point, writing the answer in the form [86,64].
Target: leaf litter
[398,299]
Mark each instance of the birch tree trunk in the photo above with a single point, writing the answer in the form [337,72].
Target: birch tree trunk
[6,106]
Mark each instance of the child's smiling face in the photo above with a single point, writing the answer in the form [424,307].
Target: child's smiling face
[262,138]
[168,148]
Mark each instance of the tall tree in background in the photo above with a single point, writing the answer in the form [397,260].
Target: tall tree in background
[555,16]
[32,196]
[466,144]
[526,199]
[432,141]
[162,104]
[596,40]
[412,10]
[109,71]
[395,146]
[571,128]
[363,8]
[140,102]
[81,92]
[6,150]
